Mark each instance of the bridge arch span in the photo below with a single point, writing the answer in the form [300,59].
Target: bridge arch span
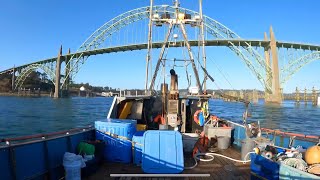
[27,71]
[297,64]
[251,58]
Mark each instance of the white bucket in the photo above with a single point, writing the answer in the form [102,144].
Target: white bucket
[223,142]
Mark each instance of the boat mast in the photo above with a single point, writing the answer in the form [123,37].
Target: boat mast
[180,19]
[185,36]
[203,46]
[163,48]
[149,45]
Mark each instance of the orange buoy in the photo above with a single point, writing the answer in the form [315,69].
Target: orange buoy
[312,155]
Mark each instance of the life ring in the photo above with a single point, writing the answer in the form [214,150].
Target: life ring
[199,118]
[159,119]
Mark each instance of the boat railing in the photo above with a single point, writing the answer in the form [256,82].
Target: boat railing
[40,137]
[112,106]
[277,132]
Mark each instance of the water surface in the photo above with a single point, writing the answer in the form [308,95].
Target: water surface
[25,116]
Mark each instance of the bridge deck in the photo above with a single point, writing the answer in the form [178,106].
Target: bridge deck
[215,42]
[219,168]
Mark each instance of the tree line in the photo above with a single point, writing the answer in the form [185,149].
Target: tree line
[37,80]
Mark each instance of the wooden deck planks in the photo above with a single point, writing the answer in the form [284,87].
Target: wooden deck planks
[215,168]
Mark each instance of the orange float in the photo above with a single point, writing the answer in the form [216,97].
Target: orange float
[312,155]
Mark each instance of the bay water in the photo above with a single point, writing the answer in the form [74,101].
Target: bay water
[21,116]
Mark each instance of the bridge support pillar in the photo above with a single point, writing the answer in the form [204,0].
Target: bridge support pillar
[13,84]
[276,96]
[276,90]
[58,75]
[65,88]
[67,81]
[267,94]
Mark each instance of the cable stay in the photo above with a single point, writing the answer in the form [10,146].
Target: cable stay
[246,114]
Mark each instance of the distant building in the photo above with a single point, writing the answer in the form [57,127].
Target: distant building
[82,88]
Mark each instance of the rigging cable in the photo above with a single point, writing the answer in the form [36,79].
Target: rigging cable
[164,59]
[186,64]
[198,48]
[184,57]
[219,69]
[162,69]
[221,92]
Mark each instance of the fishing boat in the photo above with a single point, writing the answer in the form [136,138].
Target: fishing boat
[164,134]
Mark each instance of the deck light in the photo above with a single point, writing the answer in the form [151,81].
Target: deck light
[156,16]
[181,16]
[196,17]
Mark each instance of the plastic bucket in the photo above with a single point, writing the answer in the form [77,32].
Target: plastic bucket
[189,140]
[223,142]
[247,146]
[163,127]
[72,164]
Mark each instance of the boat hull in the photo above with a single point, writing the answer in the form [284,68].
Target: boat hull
[39,159]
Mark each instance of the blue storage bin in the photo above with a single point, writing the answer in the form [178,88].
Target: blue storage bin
[115,150]
[138,145]
[121,127]
[263,167]
[162,152]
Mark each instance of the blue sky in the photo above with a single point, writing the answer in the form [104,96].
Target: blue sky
[33,30]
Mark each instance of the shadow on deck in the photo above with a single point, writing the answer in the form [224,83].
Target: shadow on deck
[219,168]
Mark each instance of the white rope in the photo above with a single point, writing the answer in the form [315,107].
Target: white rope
[211,155]
[296,163]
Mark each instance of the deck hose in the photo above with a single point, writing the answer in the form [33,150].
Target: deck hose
[211,155]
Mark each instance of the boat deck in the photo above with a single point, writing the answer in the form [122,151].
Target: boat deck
[219,168]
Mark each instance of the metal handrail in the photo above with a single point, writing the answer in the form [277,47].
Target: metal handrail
[46,135]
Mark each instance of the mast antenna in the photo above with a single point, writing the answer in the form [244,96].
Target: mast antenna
[148,59]
[203,46]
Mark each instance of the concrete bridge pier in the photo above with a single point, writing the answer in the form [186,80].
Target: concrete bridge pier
[276,96]
[67,69]
[57,93]
[65,88]
[267,95]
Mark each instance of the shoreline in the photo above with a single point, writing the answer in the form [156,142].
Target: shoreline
[25,94]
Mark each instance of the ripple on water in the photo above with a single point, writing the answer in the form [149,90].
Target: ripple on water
[24,116]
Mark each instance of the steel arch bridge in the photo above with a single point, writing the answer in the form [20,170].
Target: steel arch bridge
[254,53]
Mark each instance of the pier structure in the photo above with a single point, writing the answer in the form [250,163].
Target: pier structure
[29,92]
[234,96]
[309,95]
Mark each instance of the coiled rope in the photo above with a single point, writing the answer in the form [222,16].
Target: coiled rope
[314,169]
[296,163]
[211,155]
